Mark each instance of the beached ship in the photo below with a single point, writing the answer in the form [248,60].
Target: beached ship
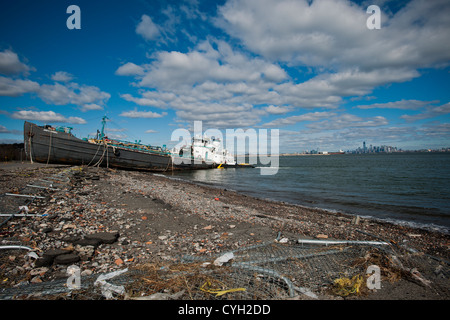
[50,144]
[204,148]
[207,149]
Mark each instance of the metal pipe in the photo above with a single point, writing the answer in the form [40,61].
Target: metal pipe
[23,195]
[330,242]
[16,247]
[20,215]
[42,187]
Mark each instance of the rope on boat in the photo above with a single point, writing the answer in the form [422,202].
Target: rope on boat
[168,164]
[97,164]
[29,142]
[49,148]
[94,155]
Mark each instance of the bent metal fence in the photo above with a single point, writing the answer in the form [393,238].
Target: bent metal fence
[268,271]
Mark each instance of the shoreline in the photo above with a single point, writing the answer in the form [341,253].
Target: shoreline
[431,227]
[156,218]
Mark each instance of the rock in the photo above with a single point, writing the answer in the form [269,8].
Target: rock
[36,279]
[67,258]
[86,272]
[104,237]
[71,238]
[85,252]
[412,235]
[47,229]
[88,242]
[55,252]
[38,271]
[69,226]
[44,261]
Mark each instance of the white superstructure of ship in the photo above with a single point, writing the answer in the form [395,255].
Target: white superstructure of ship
[207,149]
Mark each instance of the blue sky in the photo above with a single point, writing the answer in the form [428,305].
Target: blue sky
[311,69]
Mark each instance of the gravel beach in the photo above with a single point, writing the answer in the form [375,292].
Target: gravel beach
[104,220]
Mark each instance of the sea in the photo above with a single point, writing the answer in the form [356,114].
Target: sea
[403,188]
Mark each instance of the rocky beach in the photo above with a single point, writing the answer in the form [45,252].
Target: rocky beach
[104,221]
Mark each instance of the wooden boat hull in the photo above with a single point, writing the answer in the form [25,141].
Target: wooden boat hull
[50,146]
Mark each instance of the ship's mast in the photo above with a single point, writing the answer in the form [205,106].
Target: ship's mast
[102,134]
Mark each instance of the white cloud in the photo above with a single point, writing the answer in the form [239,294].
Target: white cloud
[402,104]
[11,64]
[14,88]
[430,112]
[327,45]
[72,93]
[211,79]
[62,76]
[142,114]
[328,89]
[47,116]
[345,121]
[147,29]
[117,136]
[436,131]
[130,69]
[223,65]
[3,129]
[149,102]
[89,107]
[333,33]
[277,110]
[313,116]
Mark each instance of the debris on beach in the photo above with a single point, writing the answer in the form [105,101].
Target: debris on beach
[175,241]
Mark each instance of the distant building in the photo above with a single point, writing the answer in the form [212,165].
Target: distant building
[374,149]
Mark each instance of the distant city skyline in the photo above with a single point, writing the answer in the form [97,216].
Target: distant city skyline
[374,149]
[312,69]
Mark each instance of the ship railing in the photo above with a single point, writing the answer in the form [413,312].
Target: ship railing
[132,146]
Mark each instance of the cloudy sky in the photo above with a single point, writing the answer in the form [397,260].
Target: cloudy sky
[312,69]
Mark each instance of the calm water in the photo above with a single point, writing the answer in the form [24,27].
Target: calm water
[412,188]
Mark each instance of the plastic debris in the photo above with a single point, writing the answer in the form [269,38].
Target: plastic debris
[160,296]
[24,209]
[32,255]
[216,287]
[346,286]
[107,288]
[224,259]
[306,292]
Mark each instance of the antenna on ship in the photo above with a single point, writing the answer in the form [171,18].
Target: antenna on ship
[102,134]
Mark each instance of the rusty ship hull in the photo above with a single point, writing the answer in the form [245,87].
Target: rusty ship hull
[47,145]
